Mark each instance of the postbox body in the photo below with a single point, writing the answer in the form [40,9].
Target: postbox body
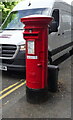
[36,58]
[36,36]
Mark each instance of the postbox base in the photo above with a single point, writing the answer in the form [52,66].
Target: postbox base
[36,96]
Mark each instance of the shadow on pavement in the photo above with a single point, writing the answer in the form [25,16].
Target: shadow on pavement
[14,74]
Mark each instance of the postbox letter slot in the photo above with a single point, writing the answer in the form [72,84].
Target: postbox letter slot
[30,35]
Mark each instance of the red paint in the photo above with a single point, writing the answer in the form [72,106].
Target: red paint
[36,29]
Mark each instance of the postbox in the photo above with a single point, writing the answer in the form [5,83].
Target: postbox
[36,36]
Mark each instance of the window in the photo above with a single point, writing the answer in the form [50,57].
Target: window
[55,15]
[13,20]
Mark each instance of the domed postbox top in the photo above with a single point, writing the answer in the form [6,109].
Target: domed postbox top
[36,19]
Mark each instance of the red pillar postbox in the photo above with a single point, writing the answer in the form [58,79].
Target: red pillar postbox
[36,36]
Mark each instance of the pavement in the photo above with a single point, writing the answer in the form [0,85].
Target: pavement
[58,105]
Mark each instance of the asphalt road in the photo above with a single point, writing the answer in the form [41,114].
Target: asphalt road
[13,95]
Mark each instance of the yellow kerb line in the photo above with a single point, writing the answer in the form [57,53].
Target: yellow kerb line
[9,87]
[12,90]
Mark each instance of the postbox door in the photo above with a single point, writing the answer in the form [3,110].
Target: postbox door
[35,64]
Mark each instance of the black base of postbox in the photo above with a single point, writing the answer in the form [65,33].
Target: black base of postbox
[36,96]
[53,78]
